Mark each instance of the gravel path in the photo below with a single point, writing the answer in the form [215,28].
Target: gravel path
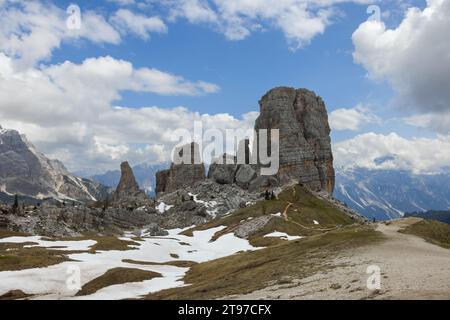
[410,268]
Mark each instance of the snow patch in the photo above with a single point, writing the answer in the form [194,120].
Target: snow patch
[282,235]
[50,282]
[276,214]
[162,207]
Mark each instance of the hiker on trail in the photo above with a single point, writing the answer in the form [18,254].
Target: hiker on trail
[267,195]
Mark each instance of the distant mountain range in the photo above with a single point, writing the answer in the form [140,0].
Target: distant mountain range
[388,194]
[26,172]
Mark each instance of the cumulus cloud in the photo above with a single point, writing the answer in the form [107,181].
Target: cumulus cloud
[31,30]
[138,24]
[68,111]
[299,20]
[413,57]
[352,119]
[391,151]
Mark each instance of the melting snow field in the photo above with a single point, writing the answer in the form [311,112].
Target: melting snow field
[51,282]
[282,235]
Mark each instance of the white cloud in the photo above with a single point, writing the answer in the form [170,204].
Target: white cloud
[352,119]
[378,151]
[31,30]
[67,110]
[195,11]
[138,24]
[440,122]
[413,57]
[299,20]
[123,2]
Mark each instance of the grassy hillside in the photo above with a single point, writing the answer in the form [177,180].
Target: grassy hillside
[442,216]
[432,231]
[279,264]
[298,210]
[279,261]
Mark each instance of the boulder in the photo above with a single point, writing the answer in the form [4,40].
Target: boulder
[154,230]
[251,227]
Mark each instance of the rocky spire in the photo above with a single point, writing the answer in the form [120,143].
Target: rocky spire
[128,189]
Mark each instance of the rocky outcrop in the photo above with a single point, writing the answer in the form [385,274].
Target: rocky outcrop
[305,147]
[69,220]
[244,175]
[27,172]
[127,193]
[223,170]
[202,202]
[184,171]
[251,227]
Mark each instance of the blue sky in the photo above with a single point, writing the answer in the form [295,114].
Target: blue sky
[246,69]
[370,92]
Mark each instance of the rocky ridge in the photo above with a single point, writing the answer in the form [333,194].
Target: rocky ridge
[186,196]
[27,172]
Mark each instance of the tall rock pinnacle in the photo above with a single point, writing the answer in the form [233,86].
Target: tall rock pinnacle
[128,188]
[305,144]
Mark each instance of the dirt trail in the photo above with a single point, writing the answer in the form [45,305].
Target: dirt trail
[411,268]
[286,218]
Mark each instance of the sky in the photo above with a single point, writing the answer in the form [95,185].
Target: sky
[93,83]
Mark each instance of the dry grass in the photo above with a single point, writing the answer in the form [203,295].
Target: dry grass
[178,263]
[15,295]
[432,231]
[117,276]
[7,234]
[20,258]
[249,271]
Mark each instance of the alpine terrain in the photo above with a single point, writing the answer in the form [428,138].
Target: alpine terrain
[231,232]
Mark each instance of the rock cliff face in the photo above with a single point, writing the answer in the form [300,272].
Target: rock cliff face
[181,173]
[128,192]
[27,172]
[305,147]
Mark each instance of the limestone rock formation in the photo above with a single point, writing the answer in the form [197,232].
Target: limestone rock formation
[305,147]
[223,170]
[244,175]
[30,174]
[127,192]
[186,170]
